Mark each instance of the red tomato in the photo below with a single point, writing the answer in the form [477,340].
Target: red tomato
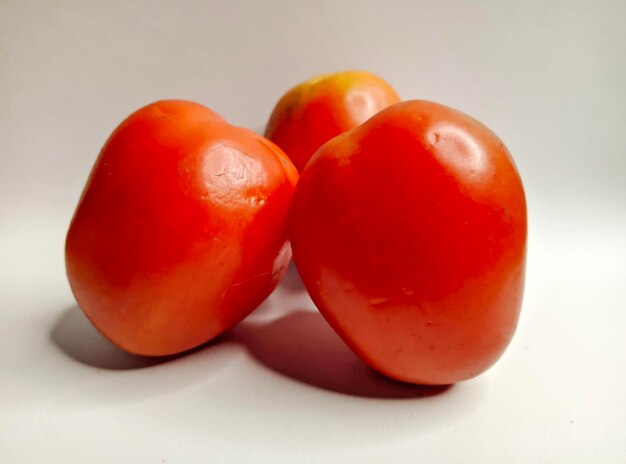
[181,230]
[321,108]
[409,233]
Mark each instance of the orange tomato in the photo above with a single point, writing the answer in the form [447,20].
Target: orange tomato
[321,108]
[409,233]
[181,230]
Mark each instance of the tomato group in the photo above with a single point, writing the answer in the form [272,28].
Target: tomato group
[408,230]
[321,108]
[409,233]
[181,230]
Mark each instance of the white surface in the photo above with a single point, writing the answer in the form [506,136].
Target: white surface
[548,78]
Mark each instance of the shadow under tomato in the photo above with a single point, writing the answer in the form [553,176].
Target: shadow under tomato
[302,346]
[75,336]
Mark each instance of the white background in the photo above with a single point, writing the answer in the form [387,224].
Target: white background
[548,77]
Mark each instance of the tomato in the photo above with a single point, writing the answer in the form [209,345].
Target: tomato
[321,108]
[181,230]
[409,233]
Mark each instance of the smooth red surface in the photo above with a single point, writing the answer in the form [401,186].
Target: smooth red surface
[409,233]
[321,108]
[181,230]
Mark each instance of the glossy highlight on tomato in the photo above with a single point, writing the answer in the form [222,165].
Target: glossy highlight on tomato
[323,107]
[181,230]
[409,233]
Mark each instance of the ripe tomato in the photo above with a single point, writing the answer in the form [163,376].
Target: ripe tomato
[409,233]
[321,108]
[181,230]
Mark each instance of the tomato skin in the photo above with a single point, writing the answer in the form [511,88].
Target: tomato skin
[181,230]
[323,107]
[409,233]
